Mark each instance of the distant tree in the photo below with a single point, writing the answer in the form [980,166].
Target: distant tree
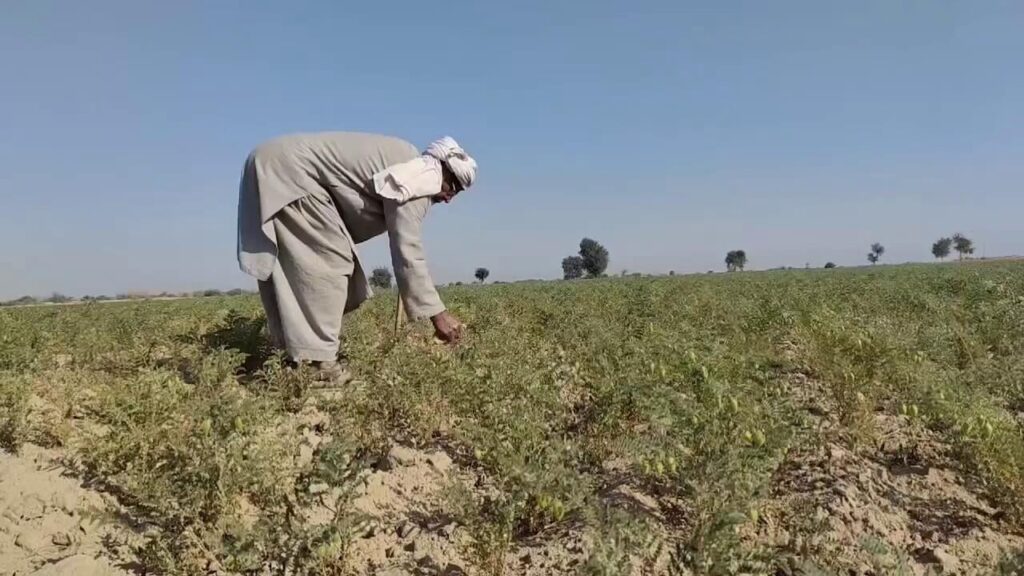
[58,298]
[481,274]
[741,259]
[876,253]
[381,278]
[595,257]
[940,249]
[211,292]
[671,272]
[232,292]
[830,265]
[25,300]
[735,260]
[963,245]
[572,267]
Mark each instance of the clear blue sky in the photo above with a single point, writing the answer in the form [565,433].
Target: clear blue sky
[670,131]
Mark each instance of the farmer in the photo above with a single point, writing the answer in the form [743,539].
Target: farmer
[306,200]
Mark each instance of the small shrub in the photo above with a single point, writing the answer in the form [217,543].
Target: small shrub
[14,394]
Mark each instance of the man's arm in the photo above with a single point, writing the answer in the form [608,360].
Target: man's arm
[405,224]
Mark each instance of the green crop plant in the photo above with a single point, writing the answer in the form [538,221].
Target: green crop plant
[689,390]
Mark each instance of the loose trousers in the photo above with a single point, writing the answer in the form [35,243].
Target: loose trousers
[304,297]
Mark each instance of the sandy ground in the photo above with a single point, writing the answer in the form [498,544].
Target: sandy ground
[906,503]
[51,525]
[409,530]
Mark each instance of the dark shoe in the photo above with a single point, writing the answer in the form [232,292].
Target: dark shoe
[331,374]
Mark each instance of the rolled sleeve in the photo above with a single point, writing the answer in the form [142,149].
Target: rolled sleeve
[405,224]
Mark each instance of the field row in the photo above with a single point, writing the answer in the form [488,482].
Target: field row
[788,422]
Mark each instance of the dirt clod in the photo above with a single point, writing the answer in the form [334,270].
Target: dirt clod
[31,539]
[440,461]
[407,529]
[403,455]
[61,539]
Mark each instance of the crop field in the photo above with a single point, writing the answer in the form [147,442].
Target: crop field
[846,421]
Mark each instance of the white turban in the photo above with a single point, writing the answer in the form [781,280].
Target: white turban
[421,176]
[447,150]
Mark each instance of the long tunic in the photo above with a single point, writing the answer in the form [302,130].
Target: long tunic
[288,168]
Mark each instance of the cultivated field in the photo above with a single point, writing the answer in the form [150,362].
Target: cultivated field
[804,422]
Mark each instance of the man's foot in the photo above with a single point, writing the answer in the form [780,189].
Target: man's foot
[331,374]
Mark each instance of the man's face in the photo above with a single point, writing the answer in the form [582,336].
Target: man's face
[450,186]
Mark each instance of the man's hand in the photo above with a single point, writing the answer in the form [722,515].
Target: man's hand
[447,328]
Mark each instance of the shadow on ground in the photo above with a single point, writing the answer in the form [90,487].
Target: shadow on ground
[245,334]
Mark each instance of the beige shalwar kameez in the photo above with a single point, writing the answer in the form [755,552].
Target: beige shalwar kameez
[304,202]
